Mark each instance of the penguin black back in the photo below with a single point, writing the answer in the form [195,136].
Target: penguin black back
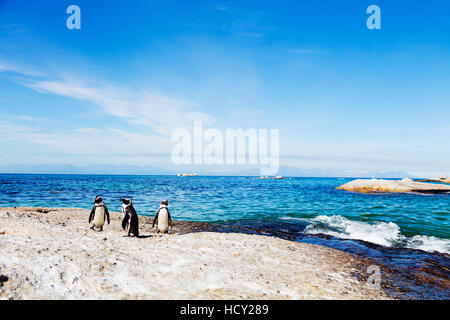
[130,221]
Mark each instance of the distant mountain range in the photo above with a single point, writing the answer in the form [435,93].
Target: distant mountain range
[318,173]
[92,169]
[150,170]
[295,172]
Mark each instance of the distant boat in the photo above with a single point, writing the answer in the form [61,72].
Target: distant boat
[187,174]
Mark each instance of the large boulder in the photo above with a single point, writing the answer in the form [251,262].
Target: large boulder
[405,185]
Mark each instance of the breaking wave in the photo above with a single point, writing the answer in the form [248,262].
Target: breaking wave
[382,233]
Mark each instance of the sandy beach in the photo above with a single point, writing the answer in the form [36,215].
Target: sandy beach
[51,254]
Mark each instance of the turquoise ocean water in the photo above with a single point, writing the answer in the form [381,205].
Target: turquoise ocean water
[312,204]
[406,231]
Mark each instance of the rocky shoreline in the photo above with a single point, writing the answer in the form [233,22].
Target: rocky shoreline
[50,253]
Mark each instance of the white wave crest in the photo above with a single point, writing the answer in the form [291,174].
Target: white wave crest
[429,243]
[293,219]
[382,233]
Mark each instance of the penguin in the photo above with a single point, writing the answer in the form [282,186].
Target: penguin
[99,214]
[130,221]
[162,218]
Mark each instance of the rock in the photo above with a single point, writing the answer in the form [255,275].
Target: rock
[405,185]
[4,214]
[442,178]
[40,210]
[3,279]
[66,264]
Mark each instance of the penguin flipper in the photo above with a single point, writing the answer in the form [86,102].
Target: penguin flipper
[155,219]
[134,225]
[170,218]
[92,214]
[125,221]
[107,214]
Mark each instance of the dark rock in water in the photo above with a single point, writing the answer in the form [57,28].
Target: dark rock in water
[407,273]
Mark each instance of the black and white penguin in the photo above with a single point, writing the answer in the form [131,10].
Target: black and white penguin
[130,220]
[162,219]
[99,214]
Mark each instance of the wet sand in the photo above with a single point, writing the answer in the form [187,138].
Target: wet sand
[50,253]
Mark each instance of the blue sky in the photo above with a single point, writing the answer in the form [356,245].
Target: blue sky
[344,97]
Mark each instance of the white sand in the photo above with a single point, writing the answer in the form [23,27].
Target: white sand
[55,256]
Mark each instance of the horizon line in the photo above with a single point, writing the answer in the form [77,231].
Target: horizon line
[198,175]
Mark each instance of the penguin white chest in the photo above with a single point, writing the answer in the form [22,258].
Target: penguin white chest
[124,207]
[163,220]
[99,217]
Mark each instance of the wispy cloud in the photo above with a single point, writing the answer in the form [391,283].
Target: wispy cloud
[252,24]
[250,113]
[140,107]
[13,28]
[143,106]
[148,119]
[221,8]
[19,69]
[300,50]
[26,118]
[85,141]
[251,34]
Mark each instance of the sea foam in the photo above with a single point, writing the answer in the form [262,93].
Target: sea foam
[382,233]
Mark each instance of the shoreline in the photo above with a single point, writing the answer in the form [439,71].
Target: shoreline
[50,253]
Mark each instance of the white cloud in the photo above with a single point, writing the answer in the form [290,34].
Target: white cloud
[20,69]
[27,118]
[148,121]
[156,111]
[86,141]
[159,112]
[249,113]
